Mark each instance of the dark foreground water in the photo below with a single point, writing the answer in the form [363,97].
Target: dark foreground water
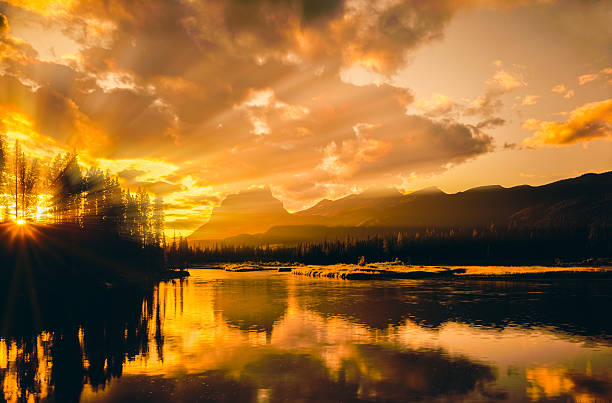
[243,337]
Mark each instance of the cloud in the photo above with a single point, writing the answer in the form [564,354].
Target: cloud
[530,100]
[563,90]
[504,81]
[486,105]
[51,114]
[263,105]
[588,122]
[491,123]
[231,93]
[131,173]
[345,160]
[586,78]
[559,89]
[331,34]
[437,105]
[4,25]
[45,7]
[501,83]
[160,188]
[605,73]
[413,144]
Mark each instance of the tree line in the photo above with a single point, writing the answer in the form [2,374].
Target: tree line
[487,245]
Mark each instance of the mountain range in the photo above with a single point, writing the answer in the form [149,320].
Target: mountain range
[577,202]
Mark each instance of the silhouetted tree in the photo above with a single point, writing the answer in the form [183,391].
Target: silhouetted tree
[157,221]
[4,199]
[144,210]
[93,206]
[29,173]
[67,189]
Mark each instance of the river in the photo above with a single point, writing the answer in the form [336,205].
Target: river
[267,336]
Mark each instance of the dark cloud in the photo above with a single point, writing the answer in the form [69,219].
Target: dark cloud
[131,174]
[222,33]
[13,51]
[491,123]
[312,10]
[4,25]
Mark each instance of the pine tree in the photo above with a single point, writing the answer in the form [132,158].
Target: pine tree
[158,221]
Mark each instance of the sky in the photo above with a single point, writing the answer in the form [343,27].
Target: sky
[197,99]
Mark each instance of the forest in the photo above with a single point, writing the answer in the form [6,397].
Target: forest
[62,221]
[450,246]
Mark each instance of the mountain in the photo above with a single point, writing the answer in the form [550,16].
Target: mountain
[575,202]
[352,210]
[247,212]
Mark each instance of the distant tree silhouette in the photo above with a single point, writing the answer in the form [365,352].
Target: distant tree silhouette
[488,245]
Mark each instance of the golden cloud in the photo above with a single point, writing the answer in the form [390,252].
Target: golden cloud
[530,100]
[438,104]
[588,122]
[45,7]
[563,90]
[605,73]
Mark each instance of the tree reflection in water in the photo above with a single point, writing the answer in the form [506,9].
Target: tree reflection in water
[87,338]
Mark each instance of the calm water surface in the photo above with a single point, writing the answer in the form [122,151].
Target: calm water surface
[220,336]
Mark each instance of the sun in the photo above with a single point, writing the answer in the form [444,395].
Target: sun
[20,222]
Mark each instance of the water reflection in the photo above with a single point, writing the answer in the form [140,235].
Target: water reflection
[266,299]
[88,343]
[276,337]
[575,307]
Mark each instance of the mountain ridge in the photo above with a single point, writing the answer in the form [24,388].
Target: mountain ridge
[582,200]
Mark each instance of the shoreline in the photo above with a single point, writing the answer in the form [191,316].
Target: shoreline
[393,270]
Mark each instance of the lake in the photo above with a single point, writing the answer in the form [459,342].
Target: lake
[268,336]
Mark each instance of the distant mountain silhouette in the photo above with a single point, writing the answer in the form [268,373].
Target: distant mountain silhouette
[352,210]
[576,202]
[248,212]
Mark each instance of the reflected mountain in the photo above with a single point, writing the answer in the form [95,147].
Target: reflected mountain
[252,304]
